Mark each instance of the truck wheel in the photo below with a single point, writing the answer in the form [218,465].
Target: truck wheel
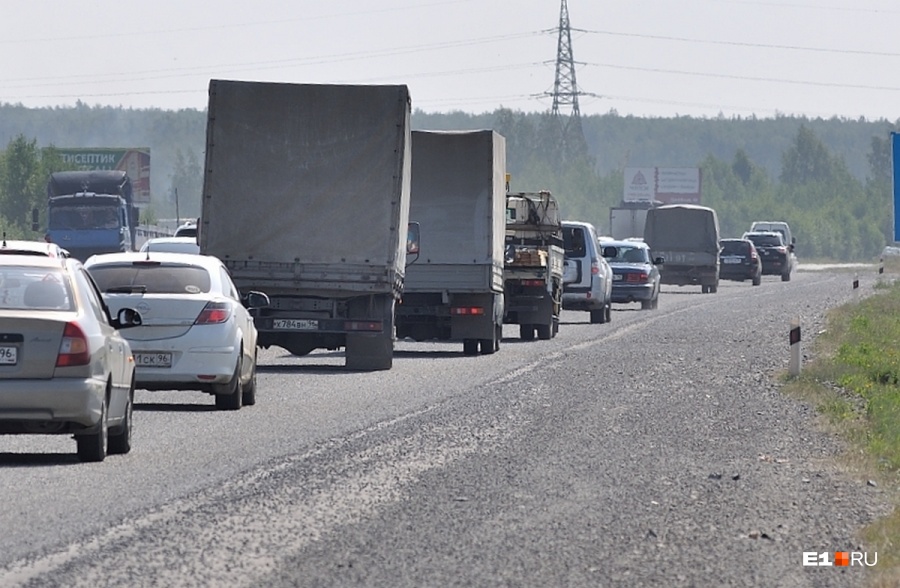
[490,346]
[786,277]
[526,332]
[470,347]
[598,316]
[545,332]
[555,326]
[713,288]
[704,289]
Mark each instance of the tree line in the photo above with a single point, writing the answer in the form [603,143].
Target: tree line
[830,179]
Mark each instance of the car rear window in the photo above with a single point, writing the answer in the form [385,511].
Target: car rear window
[34,289]
[766,240]
[573,241]
[151,278]
[734,247]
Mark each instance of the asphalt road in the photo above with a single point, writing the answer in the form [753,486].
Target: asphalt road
[655,450]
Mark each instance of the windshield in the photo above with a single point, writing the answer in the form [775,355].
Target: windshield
[84,217]
[151,278]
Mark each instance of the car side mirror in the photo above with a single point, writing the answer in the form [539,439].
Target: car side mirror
[255,299]
[610,251]
[127,318]
[659,261]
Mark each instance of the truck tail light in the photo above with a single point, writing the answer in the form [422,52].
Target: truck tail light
[214,313]
[73,349]
[363,326]
[595,267]
[467,311]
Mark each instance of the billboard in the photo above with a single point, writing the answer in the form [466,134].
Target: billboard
[133,161]
[669,185]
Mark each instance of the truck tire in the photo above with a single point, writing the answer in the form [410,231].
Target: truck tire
[373,351]
[526,332]
[545,332]
[492,345]
[470,346]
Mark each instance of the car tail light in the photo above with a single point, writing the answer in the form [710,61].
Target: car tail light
[532,282]
[753,254]
[637,277]
[73,350]
[595,267]
[214,313]
[467,311]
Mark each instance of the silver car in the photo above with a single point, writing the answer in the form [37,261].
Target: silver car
[64,367]
[587,277]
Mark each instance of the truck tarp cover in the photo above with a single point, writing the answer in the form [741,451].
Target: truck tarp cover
[98,182]
[304,173]
[459,197]
[682,227]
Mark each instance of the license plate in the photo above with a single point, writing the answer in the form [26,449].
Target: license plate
[153,360]
[8,355]
[617,277]
[295,324]
[732,260]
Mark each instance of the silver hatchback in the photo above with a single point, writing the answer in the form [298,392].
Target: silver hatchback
[587,277]
[64,367]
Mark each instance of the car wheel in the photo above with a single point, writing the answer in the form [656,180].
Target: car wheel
[598,316]
[526,332]
[646,304]
[249,391]
[120,443]
[233,391]
[608,311]
[470,347]
[655,303]
[786,277]
[93,446]
[757,280]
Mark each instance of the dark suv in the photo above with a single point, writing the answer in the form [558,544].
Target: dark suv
[774,253]
[739,261]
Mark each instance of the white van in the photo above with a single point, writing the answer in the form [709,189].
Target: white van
[776,226]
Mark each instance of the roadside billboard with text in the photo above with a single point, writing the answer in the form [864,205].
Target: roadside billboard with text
[669,185]
[133,161]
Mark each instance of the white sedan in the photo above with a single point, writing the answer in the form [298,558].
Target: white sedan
[197,331]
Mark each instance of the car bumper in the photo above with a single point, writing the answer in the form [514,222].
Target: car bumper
[741,272]
[775,266]
[638,293]
[59,400]
[192,368]
[582,301]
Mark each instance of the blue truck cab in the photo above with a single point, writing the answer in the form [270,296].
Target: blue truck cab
[91,212]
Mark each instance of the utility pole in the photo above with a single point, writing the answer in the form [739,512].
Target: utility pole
[565,88]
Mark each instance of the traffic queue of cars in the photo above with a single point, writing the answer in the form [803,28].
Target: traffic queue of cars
[766,249]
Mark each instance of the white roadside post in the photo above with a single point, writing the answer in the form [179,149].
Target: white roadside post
[794,366]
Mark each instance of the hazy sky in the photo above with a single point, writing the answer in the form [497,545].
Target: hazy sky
[637,57]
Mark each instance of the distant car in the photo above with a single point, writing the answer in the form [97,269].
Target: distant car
[64,367]
[739,261]
[188,229]
[775,254]
[587,277]
[197,333]
[635,274]
[777,227]
[172,245]
[24,247]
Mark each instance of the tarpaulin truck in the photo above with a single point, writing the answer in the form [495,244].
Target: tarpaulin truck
[454,289]
[686,236]
[306,198]
[91,212]
[534,262]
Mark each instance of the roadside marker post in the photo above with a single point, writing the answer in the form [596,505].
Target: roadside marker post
[794,366]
